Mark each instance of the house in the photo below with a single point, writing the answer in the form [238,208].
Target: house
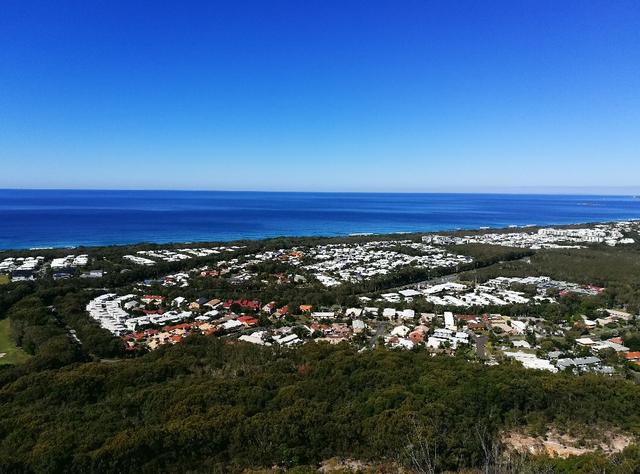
[129,305]
[442,337]
[530,361]
[389,313]
[231,325]
[353,312]
[400,331]
[409,293]
[417,335]
[146,299]
[406,314]
[601,345]
[358,326]
[449,322]
[178,301]
[213,304]
[288,340]
[633,356]
[617,314]
[248,320]
[476,326]
[436,342]
[397,342]
[255,338]
[585,341]
[521,344]
[210,273]
[519,326]
[323,315]
[305,308]
[252,305]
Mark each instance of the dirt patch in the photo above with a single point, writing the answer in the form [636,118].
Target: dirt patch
[563,445]
[340,466]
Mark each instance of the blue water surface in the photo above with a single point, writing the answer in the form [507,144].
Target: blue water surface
[60,218]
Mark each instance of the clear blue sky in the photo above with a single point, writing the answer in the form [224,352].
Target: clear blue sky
[320,95]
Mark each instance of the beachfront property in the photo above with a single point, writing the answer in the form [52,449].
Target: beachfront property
[610,234]
[151,257]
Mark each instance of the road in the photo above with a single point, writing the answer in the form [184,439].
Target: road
[380,329]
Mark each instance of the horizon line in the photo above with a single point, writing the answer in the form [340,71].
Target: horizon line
[516,190]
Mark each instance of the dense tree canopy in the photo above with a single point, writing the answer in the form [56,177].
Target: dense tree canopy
[208,405]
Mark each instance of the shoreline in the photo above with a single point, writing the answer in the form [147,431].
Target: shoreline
[349,236]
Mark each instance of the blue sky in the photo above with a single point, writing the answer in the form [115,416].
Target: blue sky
[320,95]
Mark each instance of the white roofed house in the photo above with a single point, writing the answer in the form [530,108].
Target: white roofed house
[231,325]
[531,361]
[400,331]
[287,340]
[449,322]
[358,326]
[257,337]
[406,314]
[389,313]
[323,315]
[410,293]
[179,301]
[371,311]
[519,326]
[443,337]
[129,305]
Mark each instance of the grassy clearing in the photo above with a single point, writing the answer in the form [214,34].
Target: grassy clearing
[13,354]
[4,279]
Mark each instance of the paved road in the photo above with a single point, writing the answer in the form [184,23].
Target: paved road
[380,328]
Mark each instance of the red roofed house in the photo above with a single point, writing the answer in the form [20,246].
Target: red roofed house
[152,298]
[248,320]
[417,336]
[632,356]
[244,304]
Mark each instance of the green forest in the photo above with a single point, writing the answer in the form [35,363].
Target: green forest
[210,406]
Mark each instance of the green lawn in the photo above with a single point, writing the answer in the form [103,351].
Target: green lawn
[4,279]
[13,354]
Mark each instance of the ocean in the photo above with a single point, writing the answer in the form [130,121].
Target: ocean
[67,218]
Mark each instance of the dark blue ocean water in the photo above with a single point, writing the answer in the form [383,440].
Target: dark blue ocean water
[57,218]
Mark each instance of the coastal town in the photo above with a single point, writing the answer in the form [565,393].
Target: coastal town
[495,320]
[146,321]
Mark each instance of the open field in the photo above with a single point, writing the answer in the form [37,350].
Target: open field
[12,354]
